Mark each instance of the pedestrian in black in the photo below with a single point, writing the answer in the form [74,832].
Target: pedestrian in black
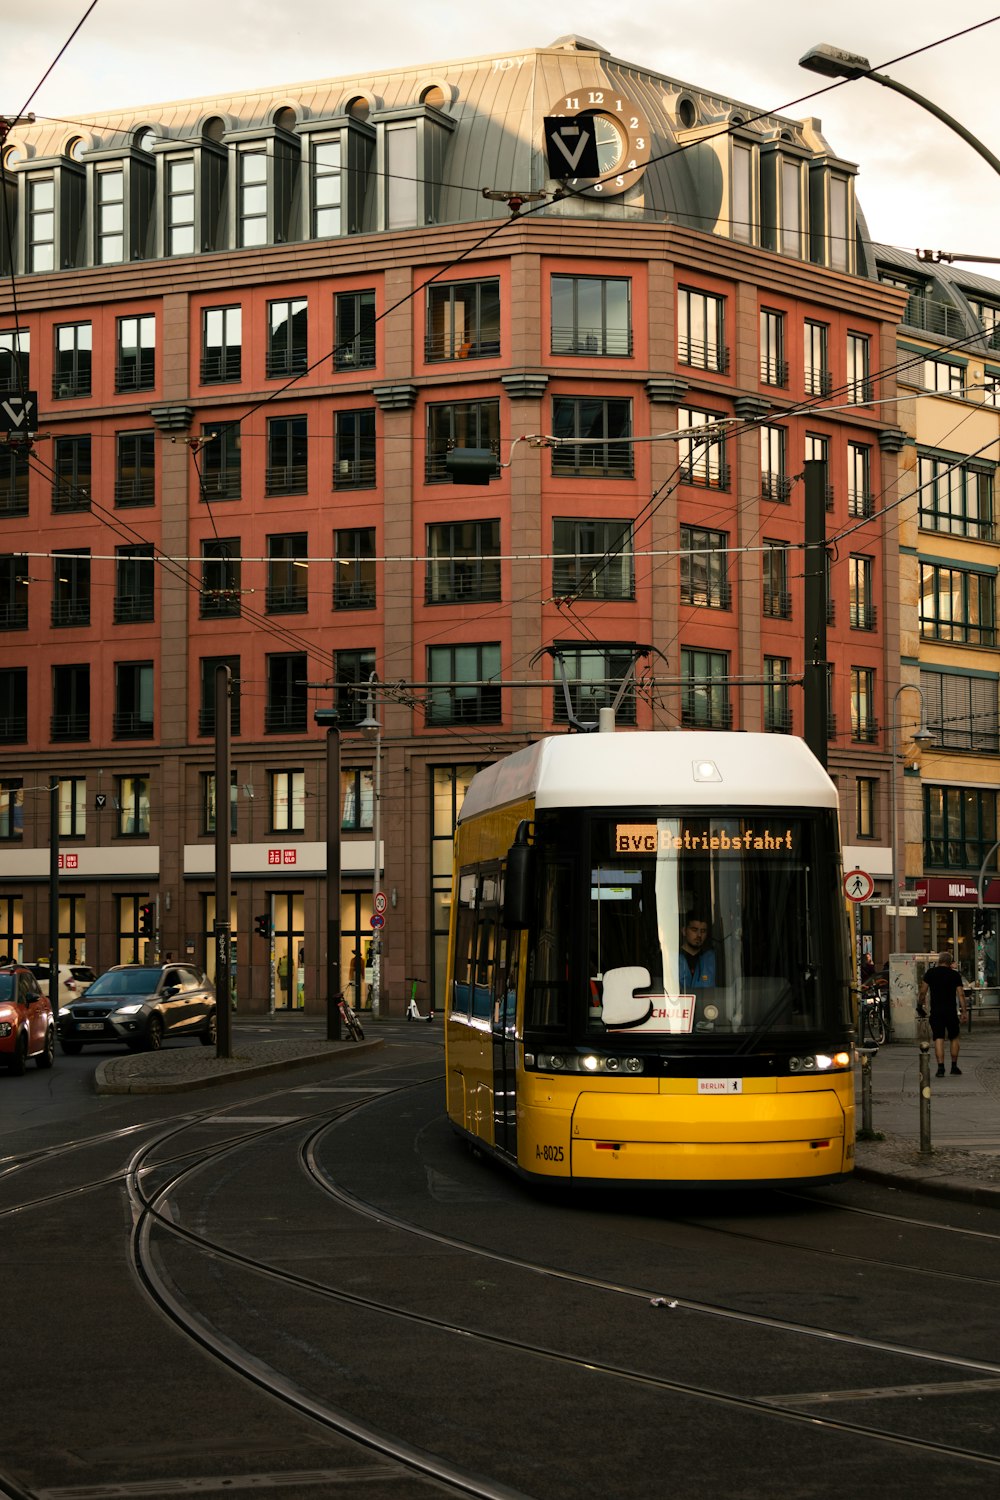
[948,1008]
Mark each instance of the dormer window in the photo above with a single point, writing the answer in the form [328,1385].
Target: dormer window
[411,147]
[251,188]
[110,216]
[784,200]
[179,207]
[265,168]
[336,158]
[831,215]
[122,189]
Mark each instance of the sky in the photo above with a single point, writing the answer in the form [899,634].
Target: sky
[920,185]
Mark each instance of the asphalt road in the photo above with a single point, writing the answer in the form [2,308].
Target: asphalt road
[305,1285]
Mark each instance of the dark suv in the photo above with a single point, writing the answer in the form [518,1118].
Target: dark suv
[140,1005]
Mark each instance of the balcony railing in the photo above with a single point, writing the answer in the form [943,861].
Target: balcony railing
[776,487]
[933,317]
[70,726]
[354,595]
[354,473]
[130,725]
[860,503]
[356,354]
[863,616]
[219,366]
[13,729]
[221,484]
[608,460]
[285,718]
[777,604]
[135,491]
[14,615]
[216,604]
[286,479]
[69,384]
[133,609]
[14,496]
[439,346]
[597,341]
[69,495]
[706,476]
[702,356]
[778,720]
[707,715]
[715,596]
[136,372]
[286,599]
[283,362]
[206,718]
[864,730]
[818,382]
[436,466]
[773,371]
[66,612]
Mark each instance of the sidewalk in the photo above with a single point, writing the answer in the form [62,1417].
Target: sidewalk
[964,1160]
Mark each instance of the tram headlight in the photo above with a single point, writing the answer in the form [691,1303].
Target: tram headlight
[819,1062]
[581,1062]
[590,1064]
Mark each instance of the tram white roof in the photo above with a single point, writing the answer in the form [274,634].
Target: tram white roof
[655,767]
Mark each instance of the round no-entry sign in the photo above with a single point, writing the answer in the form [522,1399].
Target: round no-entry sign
[858,885]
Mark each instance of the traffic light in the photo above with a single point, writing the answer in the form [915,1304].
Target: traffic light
[147,918]
[262,926]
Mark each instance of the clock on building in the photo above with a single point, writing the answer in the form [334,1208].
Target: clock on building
[621,135]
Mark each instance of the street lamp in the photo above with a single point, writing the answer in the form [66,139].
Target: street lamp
[327,717]
[372,725]
[833,62]
[922,736]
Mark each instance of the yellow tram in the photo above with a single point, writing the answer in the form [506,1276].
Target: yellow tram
[648,972]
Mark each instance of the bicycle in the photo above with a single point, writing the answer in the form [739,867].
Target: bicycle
[350,1021]
[873,1013]
[413,1011]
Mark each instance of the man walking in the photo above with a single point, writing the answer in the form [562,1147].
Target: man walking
[944,985]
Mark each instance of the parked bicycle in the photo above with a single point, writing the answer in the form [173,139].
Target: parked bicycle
[873,1001]
[349,1020]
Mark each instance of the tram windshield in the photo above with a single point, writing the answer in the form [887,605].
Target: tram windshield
[711,926]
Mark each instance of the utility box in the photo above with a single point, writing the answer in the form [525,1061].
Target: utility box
[906,970]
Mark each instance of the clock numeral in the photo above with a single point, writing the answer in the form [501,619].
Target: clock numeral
[619,182]
[598,187]
[572,104]
[632,165]
[619,106]
[596,96]
[633,123]
[640,142]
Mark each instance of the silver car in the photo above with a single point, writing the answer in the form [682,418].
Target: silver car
[141,1005]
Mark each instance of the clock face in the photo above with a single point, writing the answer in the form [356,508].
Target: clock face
[621,134]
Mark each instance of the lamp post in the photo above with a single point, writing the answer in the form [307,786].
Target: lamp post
[328,718]
[833,62]
[372,725]
[923,735]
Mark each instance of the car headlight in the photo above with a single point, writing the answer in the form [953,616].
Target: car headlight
[127,1010]
[6,1027]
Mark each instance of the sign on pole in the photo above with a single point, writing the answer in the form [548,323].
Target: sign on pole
[377,920]
[19,413]
[858,885]
[571,146]
[380,902]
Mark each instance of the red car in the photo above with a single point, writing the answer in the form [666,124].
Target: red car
[27,1028]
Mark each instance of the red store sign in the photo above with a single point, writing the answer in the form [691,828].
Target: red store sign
[282,856]
[940,891]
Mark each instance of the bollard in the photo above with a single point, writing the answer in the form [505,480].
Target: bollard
[924,1033]
[866,1055]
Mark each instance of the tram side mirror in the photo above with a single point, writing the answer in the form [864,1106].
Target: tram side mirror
[519,881]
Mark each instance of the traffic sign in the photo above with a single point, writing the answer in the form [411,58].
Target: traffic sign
[19,413]
[876,901]
[858,885]
[571,146]
[377,920]
[380,901]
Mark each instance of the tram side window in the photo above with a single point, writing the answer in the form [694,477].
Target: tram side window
[548,1005]
[461,998]
[488,916]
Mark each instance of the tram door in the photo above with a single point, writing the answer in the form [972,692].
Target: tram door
[504,1043]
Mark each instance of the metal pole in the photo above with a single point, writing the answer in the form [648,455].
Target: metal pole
[333,884]
[894,751]
[377,874]
[924,1032]
[54,896]
[223,865]
[815,681]
[866,1054]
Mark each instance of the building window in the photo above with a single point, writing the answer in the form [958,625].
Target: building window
[592,315]
[133,947]
[70,703]
[937,375]
[135,476]
[991,387]
[819,381]
[354,569]
[286,709]
[956,605]
[700,330]
[72,367]
[860,500]
[960,826]
[402,187]
[287,338]
[14,481]
[864,807]
[962,710]
[774,481]
[135,369]
[133,806]
[326,188]
[705,689]
[704,567]
[251,198]
[110,215]
[988,314]
[288,574]
[13,591]
[221,578]
[71,460]
[777,598]
[287,456]
[357,798]
[467,694]
[773,364]
[208,803]
[864,725]
[13,705]
[859,370]
[463,562]
[593,559]
[11,810]
[208,666]
[463,320]
[594,675]
[179,207]
[449,785]
[15,364]
[352,670]
[777,710]
[134,584]
[287,801]
[220,461]
[355,319]
[221,345]
[955,497]
[41,224]
[133,700]
[587,427]
[459,424]
[71,587]
[354,442]
[860,572]
[702,457]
